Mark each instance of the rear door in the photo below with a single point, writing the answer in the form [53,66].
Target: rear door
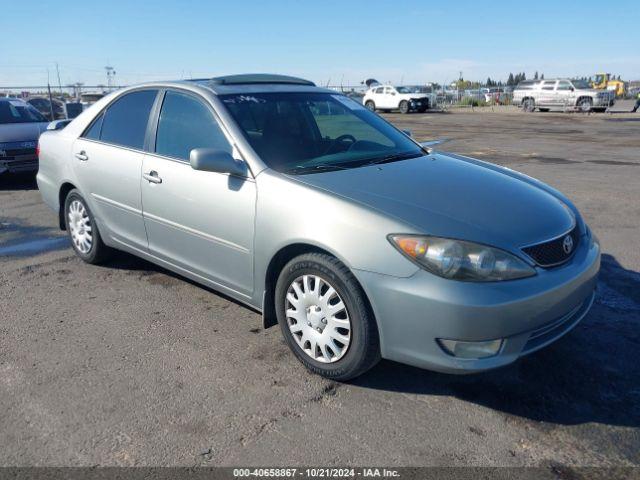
[107,160]
[199,221]
[548,96]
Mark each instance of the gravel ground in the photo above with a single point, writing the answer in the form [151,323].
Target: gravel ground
[128,364]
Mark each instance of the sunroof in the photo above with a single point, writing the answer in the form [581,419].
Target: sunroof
[257,78]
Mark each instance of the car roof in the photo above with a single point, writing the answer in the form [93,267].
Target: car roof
[11,99]
[237,84]
[256,83]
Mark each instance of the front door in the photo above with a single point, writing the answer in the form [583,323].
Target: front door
[107,159]
[199,221]
[564,92]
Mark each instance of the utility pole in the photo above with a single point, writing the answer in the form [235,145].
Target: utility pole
[59,82]
[50,98]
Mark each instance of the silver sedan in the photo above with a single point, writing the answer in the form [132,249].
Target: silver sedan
[297,201]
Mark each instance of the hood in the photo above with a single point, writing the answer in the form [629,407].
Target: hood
[592,91]
[21,132]
[450,197]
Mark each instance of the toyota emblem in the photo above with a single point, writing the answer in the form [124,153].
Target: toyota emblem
[567,244]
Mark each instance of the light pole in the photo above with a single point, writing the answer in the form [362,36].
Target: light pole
[111,73]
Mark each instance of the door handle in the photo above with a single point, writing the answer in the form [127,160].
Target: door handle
[152,177]
[82,156]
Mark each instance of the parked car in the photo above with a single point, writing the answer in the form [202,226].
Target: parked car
[301,203]
[561,93]
[20,126]
[404,98]
[43,105]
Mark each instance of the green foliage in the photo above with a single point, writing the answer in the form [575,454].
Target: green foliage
[472,102]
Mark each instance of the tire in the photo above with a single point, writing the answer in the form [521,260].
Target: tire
[370,105]
[83,232]
[404,106]
[585,104]
[543,109]
[361,349]
[528,105]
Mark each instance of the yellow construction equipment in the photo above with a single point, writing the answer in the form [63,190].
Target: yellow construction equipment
[605,81]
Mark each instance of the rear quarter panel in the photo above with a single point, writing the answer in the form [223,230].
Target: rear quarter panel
[55,167]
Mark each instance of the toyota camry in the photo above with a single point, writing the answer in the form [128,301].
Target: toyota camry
[297,201]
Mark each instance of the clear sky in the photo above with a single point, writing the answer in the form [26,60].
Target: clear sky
[326,41]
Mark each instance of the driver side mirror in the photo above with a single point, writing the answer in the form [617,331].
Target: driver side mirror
[215,160]
[572,89]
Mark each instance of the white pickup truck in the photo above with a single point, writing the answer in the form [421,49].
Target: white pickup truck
[561,93]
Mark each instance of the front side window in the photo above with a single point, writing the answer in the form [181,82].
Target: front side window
[310,132]
[16,111]
[564,85]
[186,123]
[125,120]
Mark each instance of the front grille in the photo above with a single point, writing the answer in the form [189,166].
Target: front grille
[552,253]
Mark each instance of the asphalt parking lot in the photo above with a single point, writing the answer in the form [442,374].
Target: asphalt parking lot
[128,364]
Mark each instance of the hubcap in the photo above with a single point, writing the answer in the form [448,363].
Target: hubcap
[80,226]
[318,318]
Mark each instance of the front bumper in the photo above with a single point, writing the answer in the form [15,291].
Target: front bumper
[528,314]
[603,101]
[419,103]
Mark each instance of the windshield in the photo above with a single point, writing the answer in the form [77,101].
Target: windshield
[580,84]
[413,89]
[311,132]
[14,111]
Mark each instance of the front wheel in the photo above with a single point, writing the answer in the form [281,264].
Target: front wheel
[585,104]
[82,230]
[325,318]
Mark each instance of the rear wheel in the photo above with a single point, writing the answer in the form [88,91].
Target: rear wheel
[370,105]
[528,105]
[404,106]
[83,231]
[325,318]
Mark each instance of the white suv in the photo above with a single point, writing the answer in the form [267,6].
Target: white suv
[405,99]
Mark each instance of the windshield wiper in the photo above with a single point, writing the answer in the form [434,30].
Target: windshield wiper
[394,157]
[314,168]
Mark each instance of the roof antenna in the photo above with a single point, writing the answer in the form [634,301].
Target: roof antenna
[327,86]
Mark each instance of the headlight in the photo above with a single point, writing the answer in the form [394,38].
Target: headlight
[460,260]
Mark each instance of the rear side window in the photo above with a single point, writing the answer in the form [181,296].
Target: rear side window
[125,121]
[96,127]
[186,123]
